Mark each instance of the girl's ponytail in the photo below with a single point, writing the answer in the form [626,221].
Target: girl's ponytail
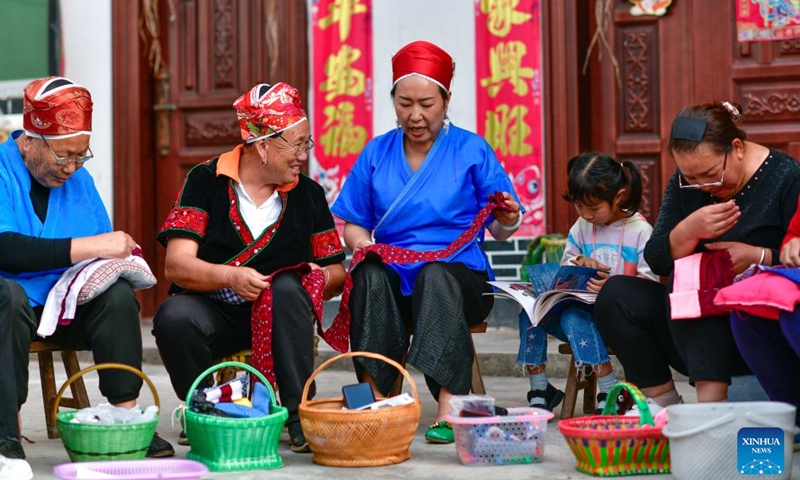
[633,200]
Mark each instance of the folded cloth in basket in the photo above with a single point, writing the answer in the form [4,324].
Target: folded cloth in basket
[224,406]
[229,391]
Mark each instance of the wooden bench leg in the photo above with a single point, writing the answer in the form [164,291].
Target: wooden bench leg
[590,390]
[477,379]
[571,391]
[48,378]
[79,399]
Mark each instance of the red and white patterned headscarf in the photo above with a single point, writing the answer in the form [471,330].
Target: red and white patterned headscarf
[425,60]
[268,109]
[56,107]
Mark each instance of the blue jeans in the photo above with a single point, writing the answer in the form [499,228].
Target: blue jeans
[576,325]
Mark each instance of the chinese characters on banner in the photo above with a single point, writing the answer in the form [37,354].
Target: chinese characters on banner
[509,97]
[763,20]
[342,88]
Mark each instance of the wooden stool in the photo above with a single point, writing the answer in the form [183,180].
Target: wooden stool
[79,397]
[477,379]
[229,373]
[243,356]
[585,380]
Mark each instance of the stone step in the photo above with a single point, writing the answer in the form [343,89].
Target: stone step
[497,354]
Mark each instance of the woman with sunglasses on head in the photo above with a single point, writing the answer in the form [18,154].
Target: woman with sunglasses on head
[728,193]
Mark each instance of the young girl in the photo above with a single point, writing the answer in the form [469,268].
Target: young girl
[609,235]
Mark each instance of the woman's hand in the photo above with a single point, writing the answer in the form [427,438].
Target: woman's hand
[790,253]
[594,284]
[710,221]
[362,244]
[742,254]
[508,217]
[247,282]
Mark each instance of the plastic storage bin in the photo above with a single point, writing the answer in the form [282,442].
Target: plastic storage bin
[703,439]
[131,470]
[514,438]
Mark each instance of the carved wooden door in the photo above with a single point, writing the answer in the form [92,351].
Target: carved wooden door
[216,50]
[689,56]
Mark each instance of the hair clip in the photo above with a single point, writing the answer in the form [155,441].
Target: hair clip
[735,115]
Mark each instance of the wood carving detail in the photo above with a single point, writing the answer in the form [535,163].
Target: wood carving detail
[775,105]
[223,44]
[651,190]
[638,112]
[790,47]
[212,132]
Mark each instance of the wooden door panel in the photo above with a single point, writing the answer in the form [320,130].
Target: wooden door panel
[216,50]
[689,56]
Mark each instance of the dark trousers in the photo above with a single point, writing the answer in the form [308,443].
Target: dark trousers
[446,300]
[631,316]
[772,350]
[108,326]
[193,331]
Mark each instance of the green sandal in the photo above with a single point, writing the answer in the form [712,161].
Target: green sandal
[439,432]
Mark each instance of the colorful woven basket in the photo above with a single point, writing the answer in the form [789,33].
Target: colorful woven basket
[358,438]
[85,443]
[227,444]
[610,445]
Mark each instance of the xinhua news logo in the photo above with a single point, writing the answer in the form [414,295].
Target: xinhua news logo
[760,451]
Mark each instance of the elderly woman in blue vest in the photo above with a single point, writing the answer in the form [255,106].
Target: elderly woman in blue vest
[419,187]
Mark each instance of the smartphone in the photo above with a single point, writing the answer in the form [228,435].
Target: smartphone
[483,413]
[357,395]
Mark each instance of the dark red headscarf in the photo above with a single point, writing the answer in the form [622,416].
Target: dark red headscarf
[56,107]
[424,59]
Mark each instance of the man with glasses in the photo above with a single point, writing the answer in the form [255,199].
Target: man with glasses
[52,217]
[240,220]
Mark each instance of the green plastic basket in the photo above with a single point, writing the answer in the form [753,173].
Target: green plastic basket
[85,443]
[228,444]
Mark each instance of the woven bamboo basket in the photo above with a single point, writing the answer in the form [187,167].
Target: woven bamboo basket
[609,445]
[104,442]
[359,438]
[227,444]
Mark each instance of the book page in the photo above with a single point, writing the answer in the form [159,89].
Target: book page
[555,301]
[521,292]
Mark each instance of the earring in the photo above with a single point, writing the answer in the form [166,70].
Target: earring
[446,124]
[396,123]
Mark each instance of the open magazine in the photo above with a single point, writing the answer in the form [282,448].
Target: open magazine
[552,288]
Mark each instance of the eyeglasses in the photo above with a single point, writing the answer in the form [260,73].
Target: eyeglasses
[305,147]
[66,160]
[695,186]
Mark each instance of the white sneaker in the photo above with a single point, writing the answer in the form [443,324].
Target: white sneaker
[15,469]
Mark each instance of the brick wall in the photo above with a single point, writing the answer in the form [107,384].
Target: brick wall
[506,257]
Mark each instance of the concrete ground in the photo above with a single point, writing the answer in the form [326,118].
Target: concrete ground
[496,350]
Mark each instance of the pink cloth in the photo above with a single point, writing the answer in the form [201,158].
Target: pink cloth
[697,280]
[764,294]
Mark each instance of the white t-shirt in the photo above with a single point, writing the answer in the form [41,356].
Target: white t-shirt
[258,217]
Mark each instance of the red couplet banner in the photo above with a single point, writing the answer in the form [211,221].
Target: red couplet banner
[341,88]
[509,97]
[763,20]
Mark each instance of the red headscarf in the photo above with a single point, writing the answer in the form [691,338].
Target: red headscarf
[56,107]
[424,59]
[268,109]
